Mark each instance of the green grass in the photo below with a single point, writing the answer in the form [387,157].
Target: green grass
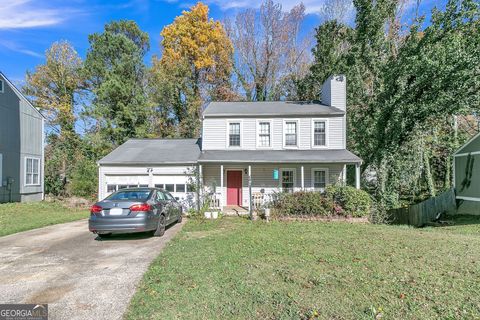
[16,217]
[234,269]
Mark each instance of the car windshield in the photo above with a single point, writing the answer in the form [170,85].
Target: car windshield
[140,195]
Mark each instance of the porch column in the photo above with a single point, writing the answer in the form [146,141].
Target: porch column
[222,194]
[150,178]
[199,186]
[302,177]
[357,175]
[250,209]
[344,175]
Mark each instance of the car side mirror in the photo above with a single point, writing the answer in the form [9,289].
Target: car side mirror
[177,198]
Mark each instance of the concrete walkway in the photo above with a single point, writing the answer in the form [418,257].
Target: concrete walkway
[78,276]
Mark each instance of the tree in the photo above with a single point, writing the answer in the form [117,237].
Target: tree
[333,43]
[270,54]
[54,87]
[116,76]
[195,67]
[405,87]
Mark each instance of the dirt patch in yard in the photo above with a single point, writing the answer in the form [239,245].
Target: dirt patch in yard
[325,219]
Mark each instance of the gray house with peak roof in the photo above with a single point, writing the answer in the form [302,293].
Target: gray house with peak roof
[247,150]
[21,146]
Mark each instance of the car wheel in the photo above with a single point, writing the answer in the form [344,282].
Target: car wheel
[161,227]
[180,217]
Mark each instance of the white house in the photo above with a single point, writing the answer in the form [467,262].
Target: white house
[246,149]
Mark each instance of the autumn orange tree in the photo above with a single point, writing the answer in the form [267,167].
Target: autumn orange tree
[195,67]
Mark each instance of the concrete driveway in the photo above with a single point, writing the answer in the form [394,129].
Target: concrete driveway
[78,276]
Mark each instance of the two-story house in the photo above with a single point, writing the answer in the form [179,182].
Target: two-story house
[21,146]
[246,148]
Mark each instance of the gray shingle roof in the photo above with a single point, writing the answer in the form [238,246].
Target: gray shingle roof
[273,108]
[155,151]
[280,156]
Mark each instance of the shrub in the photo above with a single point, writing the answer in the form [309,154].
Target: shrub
[354,202]
[302,203]
[84,181]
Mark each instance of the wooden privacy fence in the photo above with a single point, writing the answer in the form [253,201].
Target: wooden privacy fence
[424,212]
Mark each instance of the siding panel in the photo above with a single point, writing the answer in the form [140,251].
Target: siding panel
[215,133]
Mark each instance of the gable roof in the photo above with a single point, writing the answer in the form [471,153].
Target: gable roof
[155,151]
[269,108]
[20,94]
[470,146]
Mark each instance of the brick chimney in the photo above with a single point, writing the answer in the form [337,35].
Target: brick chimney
[334,92]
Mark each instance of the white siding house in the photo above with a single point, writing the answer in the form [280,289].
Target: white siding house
[247,150]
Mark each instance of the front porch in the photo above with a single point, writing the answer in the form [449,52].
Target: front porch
[239,188]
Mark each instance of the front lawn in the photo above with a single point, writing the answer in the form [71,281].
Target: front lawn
[16,217]
[235,269]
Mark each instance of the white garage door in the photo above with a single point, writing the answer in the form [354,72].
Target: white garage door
[178,185]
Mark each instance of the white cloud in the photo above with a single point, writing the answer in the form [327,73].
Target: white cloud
[16,14]
[13,46]
[311,6]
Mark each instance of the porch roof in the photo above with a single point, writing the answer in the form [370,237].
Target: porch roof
[279,156]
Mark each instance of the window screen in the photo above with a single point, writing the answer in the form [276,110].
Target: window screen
[319,138]
[170,187]
[319,179]
[287,180]
[264,134]
[180,188]
[290,133]
[234,134]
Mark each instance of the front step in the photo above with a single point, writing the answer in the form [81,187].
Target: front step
[234,211]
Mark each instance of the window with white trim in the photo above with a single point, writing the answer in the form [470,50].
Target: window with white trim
[319,178]
[264,135]
[234,134]
[291,133]
[32,171]
[319,133]
[287,179]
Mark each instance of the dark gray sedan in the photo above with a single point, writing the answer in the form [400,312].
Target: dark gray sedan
[134,210]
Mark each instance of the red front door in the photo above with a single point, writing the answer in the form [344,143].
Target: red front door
[234,188]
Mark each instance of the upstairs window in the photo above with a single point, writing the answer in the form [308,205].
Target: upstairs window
[319,134]
[234,134]
[32,171]
[1,86]
[264,139]
[290,133]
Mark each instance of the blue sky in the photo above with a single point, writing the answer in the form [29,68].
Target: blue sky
[28,27]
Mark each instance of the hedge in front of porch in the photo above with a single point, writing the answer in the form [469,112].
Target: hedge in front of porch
[335,201]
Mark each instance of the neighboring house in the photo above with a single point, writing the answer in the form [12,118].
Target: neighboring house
[21,146]
[467,177]
[247,150]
